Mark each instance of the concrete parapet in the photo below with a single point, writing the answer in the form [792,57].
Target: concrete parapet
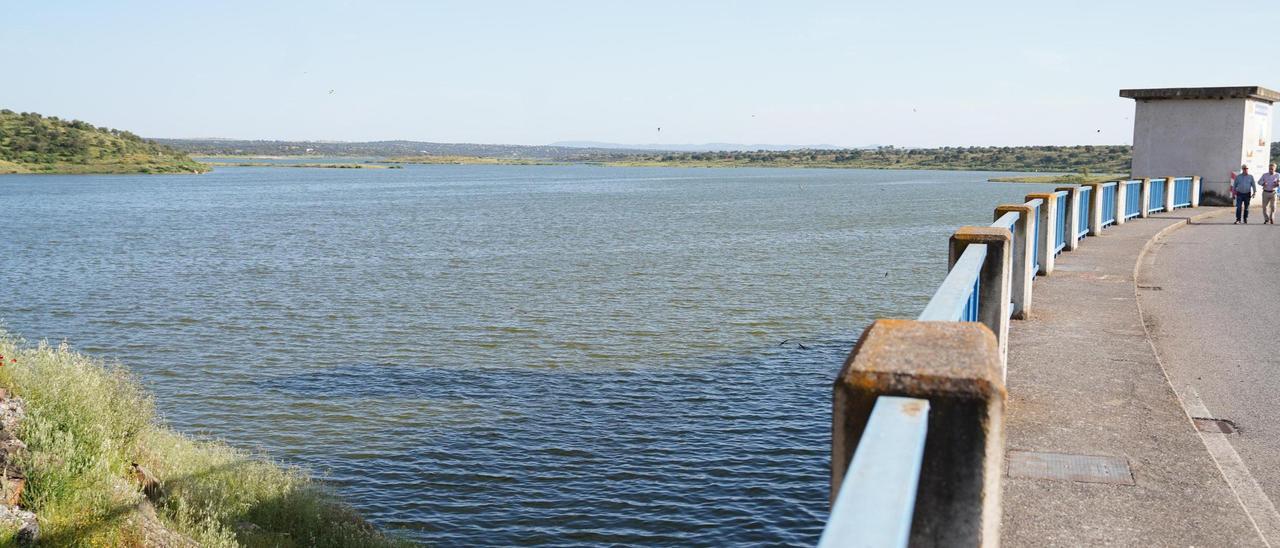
[1195,191]
[1168,194]
[1145,200]
[993,306]
[1121,199]
[1020,258]
[1072,218]
[1095,209]
[1045,228]
[957,367]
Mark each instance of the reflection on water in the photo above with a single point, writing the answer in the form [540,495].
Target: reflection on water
[499,354]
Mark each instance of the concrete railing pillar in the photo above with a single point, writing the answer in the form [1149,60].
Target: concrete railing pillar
[1045,228]
[1121,186]
[1195,191]
[1146,198]
[993,306]
[1020,258]
[1072,217]
[1095,209]
[1168,194]
[956,366]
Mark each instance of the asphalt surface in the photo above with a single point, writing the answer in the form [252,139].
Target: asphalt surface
[1211,296]
[1084,380]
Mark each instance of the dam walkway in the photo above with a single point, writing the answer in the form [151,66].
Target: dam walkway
[1135,337]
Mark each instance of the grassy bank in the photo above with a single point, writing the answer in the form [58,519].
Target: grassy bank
[87,422]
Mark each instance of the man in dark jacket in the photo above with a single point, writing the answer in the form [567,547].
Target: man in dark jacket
[1242,187]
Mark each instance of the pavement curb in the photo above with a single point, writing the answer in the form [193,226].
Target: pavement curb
[1146,248]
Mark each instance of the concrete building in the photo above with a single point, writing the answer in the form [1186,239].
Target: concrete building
[1208,132]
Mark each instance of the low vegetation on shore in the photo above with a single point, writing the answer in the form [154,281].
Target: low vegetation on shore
[469,160]
[92,435]
[1066,178]
[321,165]
[31,143]
[1110,158]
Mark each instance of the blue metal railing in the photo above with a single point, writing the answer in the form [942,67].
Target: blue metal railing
[1156,200]
[1060,235]
[1038,248]
[1084,211]
[1008,221]
[957,298]
[1132,199]
[877,498]
[1108,204]
[1182,192]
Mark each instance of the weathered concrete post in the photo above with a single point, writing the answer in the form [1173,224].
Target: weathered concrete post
[956,366]
[1095,209]
[1020,257]
[993,306]
[1195,191]
[1044,228]
[1072,218]
[1121,186]
[1168,194]
[1146,198]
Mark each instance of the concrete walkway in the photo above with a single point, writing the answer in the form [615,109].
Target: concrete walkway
[1085,380]
[1209,296]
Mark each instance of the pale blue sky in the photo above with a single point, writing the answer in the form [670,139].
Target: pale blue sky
[907,73]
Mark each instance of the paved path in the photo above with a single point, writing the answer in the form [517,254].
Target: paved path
[1085,380]
[1211,297]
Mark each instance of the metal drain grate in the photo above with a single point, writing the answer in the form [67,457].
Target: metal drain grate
[1215,426]
[1151,287]
[1067,467]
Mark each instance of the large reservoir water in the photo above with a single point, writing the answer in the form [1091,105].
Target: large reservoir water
[499,355]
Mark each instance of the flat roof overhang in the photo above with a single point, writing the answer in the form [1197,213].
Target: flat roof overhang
[1234,92]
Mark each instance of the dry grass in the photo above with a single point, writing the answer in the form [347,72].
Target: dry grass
[88,421]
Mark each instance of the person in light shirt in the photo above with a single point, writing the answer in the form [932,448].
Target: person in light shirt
[1242,188]
[1269,181]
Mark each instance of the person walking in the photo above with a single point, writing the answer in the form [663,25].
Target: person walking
[1269,181]
[1242,187]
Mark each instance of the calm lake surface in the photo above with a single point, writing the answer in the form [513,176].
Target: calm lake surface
[499,355]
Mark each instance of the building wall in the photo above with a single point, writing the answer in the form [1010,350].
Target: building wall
[1204,137]
[1257,136]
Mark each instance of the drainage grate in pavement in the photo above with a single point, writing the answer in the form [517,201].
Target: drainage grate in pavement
[1151,287]
[1215,426]
[1067,467]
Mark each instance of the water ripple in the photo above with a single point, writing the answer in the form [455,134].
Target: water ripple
[510,355]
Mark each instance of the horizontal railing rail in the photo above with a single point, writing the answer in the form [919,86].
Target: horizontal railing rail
[907,379]
[878,496]
[957,298]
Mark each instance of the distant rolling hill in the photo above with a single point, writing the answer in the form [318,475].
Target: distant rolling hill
[32,143]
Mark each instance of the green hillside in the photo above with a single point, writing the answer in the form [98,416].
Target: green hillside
[31,143]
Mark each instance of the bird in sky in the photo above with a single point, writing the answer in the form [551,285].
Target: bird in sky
[330,92]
